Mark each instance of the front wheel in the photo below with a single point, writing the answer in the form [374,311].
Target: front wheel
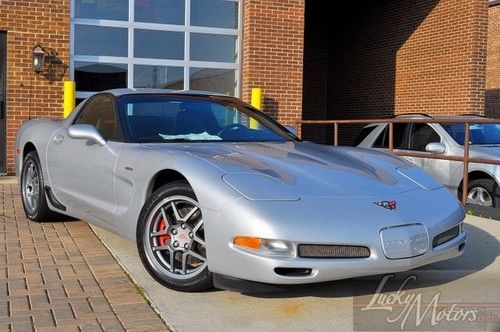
[32,189]
[484,192]
[171,239]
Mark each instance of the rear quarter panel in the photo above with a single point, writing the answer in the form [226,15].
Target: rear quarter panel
[37,132]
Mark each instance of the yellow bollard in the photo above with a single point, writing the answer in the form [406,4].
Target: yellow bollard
[69,97]
[257,103]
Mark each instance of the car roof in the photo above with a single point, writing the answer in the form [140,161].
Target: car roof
[459,117]
[122,92]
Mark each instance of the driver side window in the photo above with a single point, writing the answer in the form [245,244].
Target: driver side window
[421,135]
[100,112]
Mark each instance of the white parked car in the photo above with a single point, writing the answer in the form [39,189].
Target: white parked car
[448,140]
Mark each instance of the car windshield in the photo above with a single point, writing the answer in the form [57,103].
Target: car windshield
[480,134]
[167,118]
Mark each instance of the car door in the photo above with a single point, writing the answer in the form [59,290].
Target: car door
[81,172]
[421,135]
[401,132]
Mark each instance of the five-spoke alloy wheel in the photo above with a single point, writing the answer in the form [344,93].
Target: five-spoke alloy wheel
[484,192]
[32,189]
[171,240]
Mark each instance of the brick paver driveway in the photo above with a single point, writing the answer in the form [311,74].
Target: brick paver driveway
[59,276]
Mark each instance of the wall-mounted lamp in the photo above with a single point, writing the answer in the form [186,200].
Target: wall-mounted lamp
[38,57]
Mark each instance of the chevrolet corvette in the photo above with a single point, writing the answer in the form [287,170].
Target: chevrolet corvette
[215,192]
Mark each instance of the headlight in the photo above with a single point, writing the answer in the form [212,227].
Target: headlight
[264,247]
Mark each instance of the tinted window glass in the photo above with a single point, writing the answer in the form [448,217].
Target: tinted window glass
[91,76]
[216,80]
[382,140]
[159,11]
[479,133]
[158,77]
[209,47]
[100,113]
[95,40]
[102,9]
[363,134]
[153,118]
[422,134]
[210,13]
[159,44]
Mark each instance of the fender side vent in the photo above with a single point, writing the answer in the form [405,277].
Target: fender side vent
[332,251]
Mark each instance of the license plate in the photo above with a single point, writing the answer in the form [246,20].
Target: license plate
[404,241]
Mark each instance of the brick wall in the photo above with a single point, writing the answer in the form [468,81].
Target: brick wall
[28,22]
[493,62]
[388,57]
[440,69]
[272,55]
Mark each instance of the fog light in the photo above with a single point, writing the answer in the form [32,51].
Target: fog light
[265,247]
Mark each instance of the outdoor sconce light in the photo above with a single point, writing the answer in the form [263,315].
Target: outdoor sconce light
[38,58]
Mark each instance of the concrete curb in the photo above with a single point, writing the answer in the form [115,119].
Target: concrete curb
[98,231]
[8,179]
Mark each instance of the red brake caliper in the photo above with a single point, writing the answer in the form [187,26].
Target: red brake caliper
[163,239]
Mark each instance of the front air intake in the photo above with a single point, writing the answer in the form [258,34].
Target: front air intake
[332,251]
[446,236]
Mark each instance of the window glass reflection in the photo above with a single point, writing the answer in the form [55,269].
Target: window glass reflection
[96,40]
[214,13]
[209,47]
[159,44]
[102,9]
[158,77]
[210,79]
[159,11]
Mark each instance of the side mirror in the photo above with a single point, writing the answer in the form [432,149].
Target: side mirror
[86,131]
[436,148]
[291,129]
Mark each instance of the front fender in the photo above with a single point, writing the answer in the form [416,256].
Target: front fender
[135,172]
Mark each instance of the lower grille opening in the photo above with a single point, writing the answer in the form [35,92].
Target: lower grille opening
[461,247]
[446,236]
[292,272]
[332,251]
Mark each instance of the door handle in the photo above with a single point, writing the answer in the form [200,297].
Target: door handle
[59,139]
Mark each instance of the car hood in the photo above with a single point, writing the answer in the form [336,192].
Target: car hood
[298,169]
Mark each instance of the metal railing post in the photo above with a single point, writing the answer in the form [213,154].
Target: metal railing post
[297,128]
[391,137]
[465,182]
[336,134]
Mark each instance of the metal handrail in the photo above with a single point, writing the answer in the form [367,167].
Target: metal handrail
[466,121]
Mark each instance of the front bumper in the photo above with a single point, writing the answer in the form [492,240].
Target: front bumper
[323,270]
[307,222]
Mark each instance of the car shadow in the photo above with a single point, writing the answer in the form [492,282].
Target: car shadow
[481,251]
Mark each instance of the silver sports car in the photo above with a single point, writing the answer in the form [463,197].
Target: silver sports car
[216,192]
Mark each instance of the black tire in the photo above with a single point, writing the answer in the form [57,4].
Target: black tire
[155,262]
[489,186]
[35,206]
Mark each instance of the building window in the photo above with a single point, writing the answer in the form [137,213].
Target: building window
[173,44]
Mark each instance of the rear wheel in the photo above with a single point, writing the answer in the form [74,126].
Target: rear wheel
[484,192]
[171,239]
[32,189]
